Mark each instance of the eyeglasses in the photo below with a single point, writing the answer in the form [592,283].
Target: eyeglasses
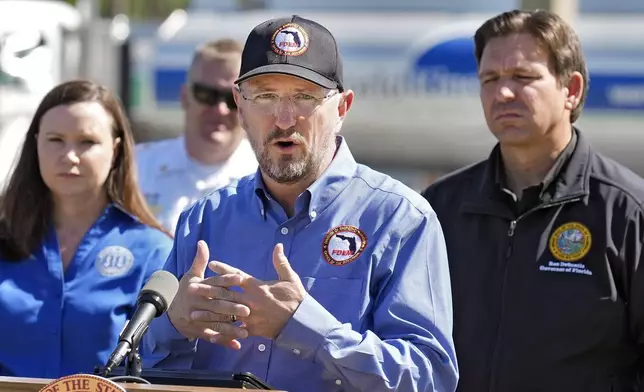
[211,96]
[303,104]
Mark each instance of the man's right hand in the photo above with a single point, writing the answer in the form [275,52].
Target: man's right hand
[190,302]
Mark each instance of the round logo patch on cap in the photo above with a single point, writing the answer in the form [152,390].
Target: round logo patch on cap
[114,261]
[570,241]
[290,40]
[343,244]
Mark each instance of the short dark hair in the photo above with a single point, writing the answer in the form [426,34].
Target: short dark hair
[552,33]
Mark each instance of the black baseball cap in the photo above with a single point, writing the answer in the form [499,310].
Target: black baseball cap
[292,46]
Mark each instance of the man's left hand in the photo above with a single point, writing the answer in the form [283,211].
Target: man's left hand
[271,303]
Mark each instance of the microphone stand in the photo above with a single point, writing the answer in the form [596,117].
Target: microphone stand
[133,364]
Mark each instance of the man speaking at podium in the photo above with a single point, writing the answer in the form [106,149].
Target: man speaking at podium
[329,276]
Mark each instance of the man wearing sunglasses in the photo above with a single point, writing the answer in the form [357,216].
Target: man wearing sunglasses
[213,151]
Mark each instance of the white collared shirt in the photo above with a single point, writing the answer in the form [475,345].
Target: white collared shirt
[171,180]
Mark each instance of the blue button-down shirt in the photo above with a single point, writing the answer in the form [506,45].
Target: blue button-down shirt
[55,323]
[371,254]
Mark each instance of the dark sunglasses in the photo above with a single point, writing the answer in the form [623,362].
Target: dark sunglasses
[211,96]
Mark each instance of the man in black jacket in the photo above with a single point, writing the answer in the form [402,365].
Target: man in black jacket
[544,237]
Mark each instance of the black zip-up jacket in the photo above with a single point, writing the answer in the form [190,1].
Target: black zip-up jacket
[548,297]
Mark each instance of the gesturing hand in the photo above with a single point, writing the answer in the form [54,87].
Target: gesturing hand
[216,309]
[271,304]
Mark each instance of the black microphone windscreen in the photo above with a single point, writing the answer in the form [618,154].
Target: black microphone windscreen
[164,284]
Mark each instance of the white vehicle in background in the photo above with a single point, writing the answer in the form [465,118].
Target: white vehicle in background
[414,74]
[39,48]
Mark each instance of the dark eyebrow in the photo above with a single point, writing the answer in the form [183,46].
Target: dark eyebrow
[54,132]
[51,132]
[487,73]
[511,70]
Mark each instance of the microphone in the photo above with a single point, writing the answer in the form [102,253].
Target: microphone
[154,300]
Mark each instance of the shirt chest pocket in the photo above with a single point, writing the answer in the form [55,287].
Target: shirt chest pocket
[342,297]
[574,293]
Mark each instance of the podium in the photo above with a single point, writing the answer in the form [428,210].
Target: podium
[17,384]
